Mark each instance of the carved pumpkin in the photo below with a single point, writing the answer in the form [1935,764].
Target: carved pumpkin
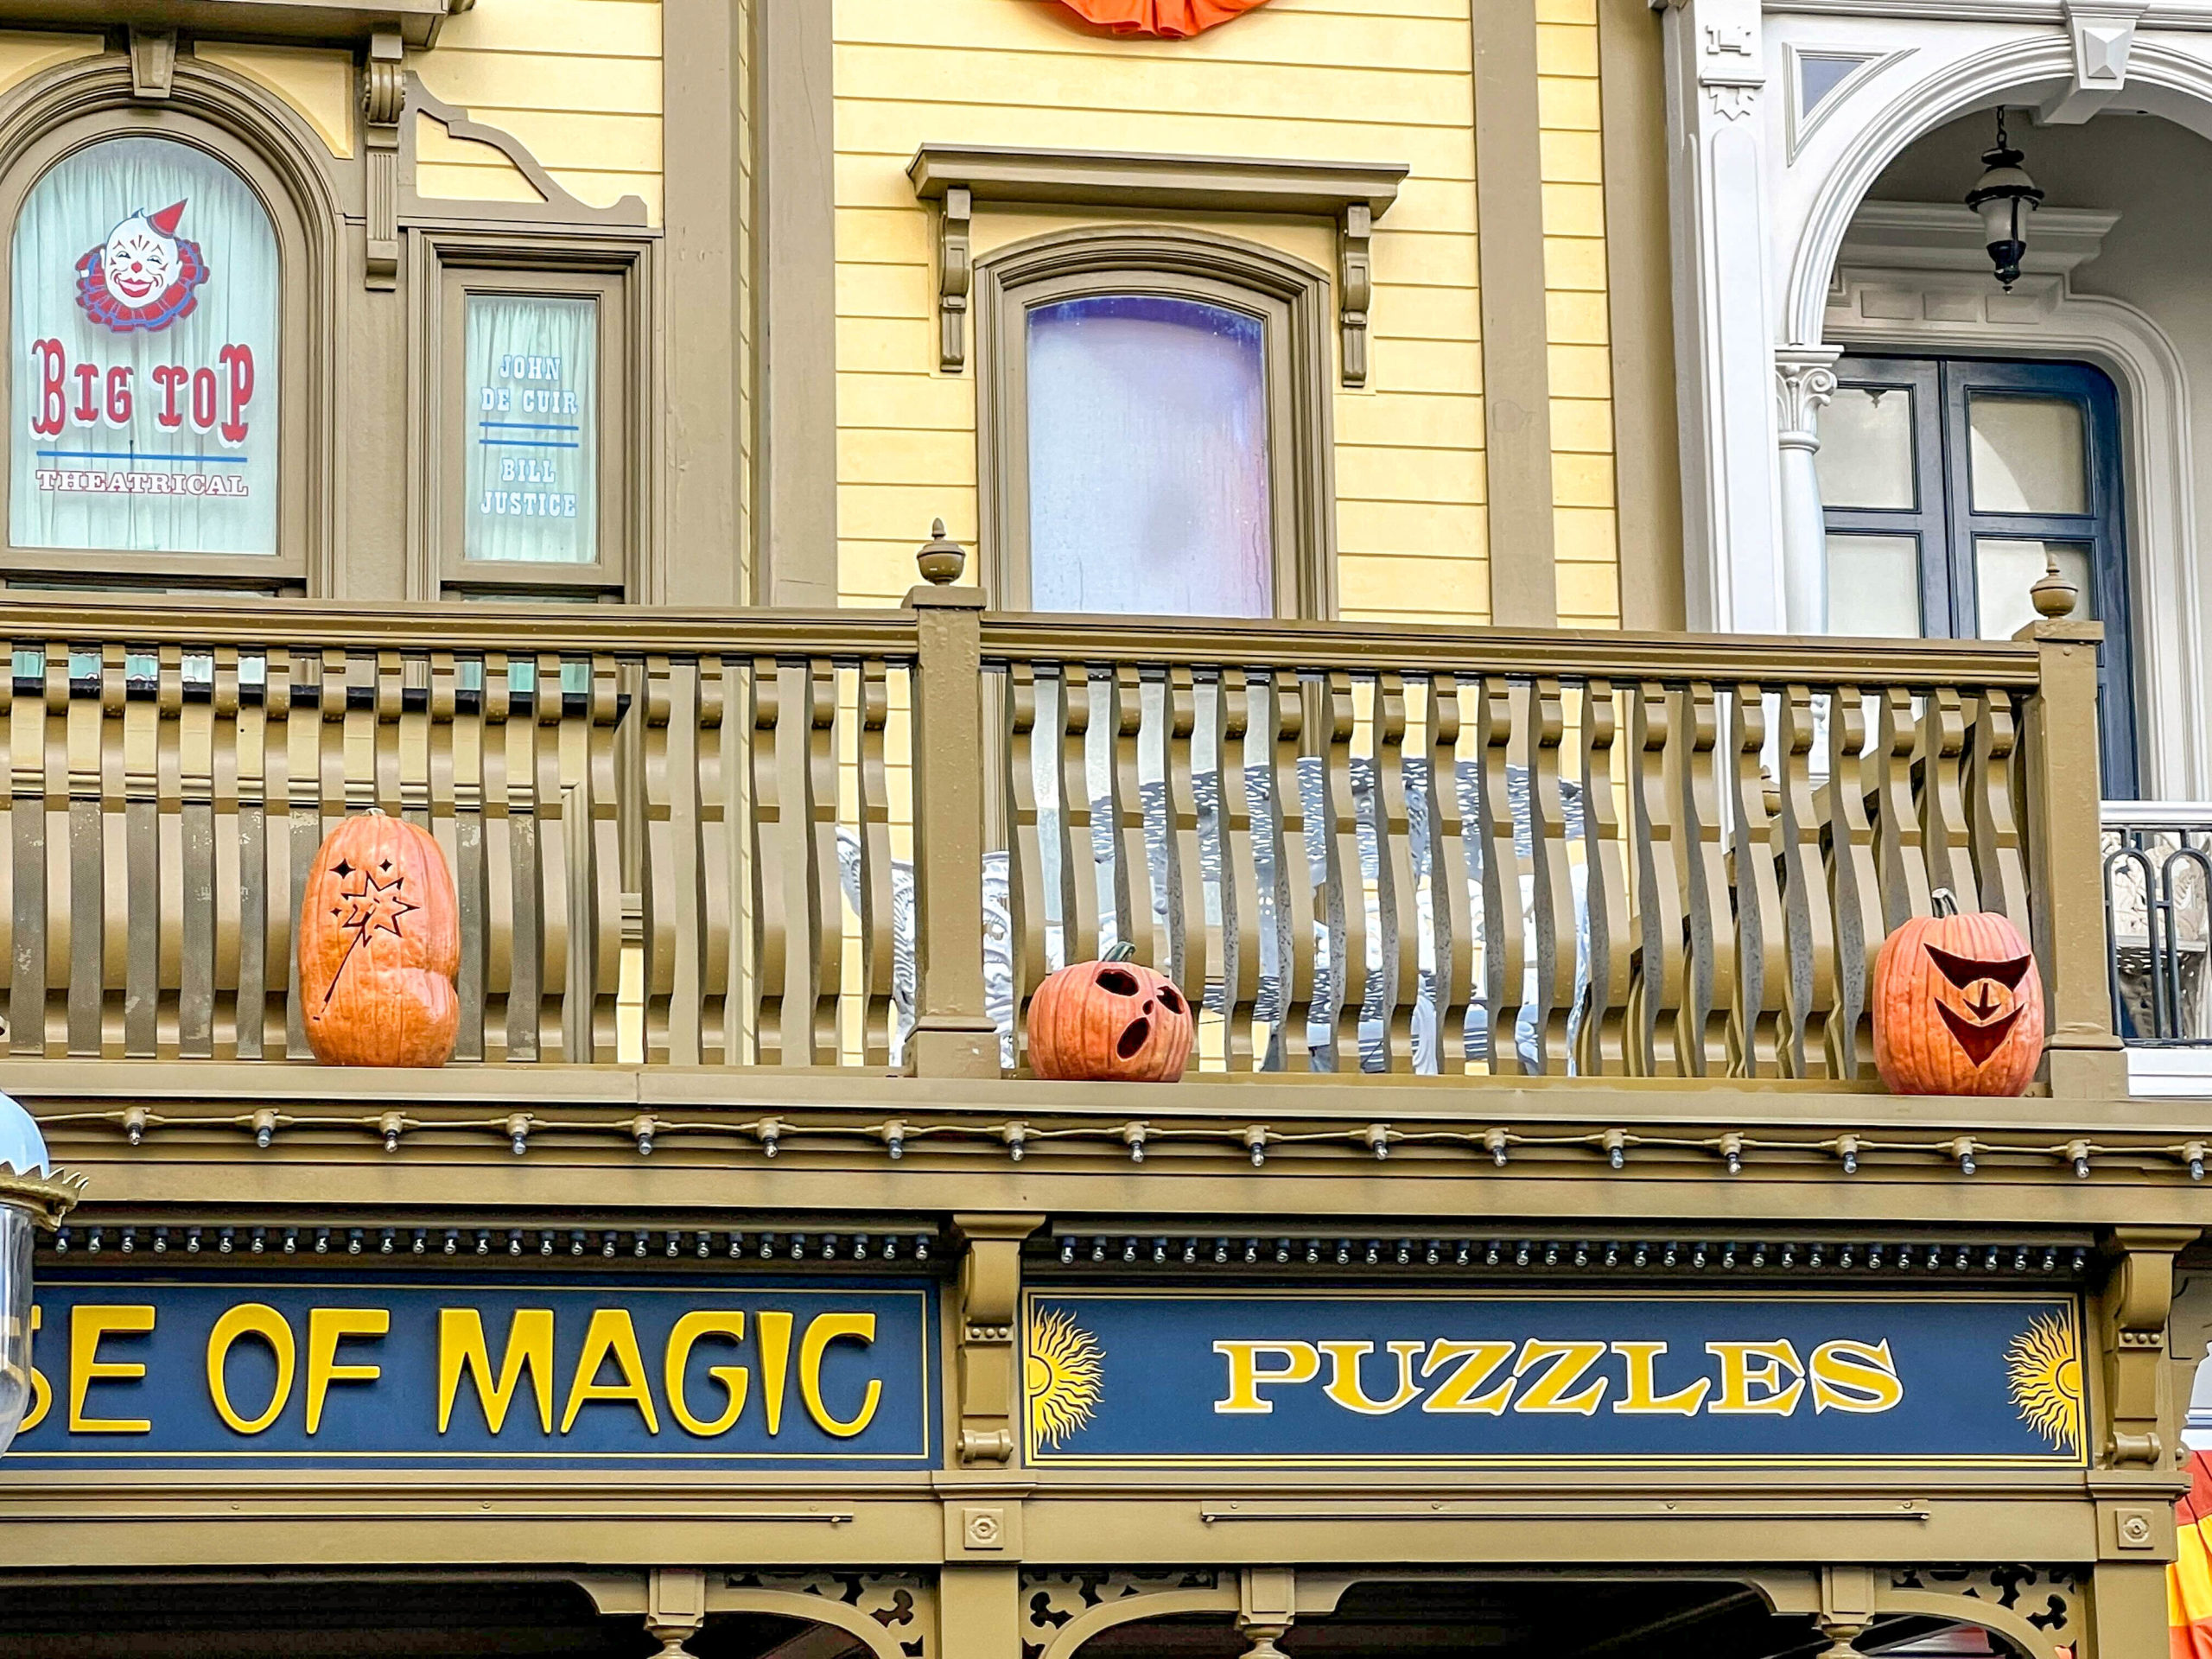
[379,945]
[1109,1021]
[1958,1005]
[1175,19]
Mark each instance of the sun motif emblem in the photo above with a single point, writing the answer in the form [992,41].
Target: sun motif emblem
[1063,1376]
[2045,1373]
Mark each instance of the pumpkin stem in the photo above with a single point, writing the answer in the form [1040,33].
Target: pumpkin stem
[1124,951]
[1946,902]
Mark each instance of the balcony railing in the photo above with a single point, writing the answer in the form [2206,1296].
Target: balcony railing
[862,838]
[2158,866]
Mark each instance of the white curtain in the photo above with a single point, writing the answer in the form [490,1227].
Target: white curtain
[532,398]
[128,481]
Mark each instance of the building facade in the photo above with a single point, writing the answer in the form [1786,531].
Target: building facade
[1501,547]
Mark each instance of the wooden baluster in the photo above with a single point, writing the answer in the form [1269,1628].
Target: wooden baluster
[503,861]
[1298,961]
[1504,935]
[357,754]
[265,1002]
[84,831]
[28,718]
[1551,902]
[526,830]
[875,908]
[1452,933]
[195,838]
[1028,905]
[1185,921]
[472,743]
[251,772]
[1895,818]
[391,734]
[228,873]
[1761,946]
[557,832]
[829,914]
[1993,825]
[144,718]
[1944,829]
[441,791]
[1343,890]
[1854,884]
[318,784]
[1709,990]
[1235,691]
[1082,934]
[1396,886]
[772,886]
[168,792]
[1810,930]
[1599,1041]
[1130,873]
[672,1028]
[724,900]
[595,988]
[1654,1024]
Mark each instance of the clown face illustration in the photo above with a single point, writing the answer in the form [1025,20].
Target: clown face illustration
[144,276]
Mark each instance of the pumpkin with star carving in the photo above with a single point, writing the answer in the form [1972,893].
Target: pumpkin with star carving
[1957,1004]
[379,945]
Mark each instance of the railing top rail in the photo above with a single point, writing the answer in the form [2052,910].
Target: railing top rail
[519,629]
[2158,815]
[1568,653]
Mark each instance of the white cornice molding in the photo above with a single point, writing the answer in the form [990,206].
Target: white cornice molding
[1947,236]
[2161,14]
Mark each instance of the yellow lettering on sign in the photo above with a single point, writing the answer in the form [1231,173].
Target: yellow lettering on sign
[41,1392]
[327,1328]
[1301,1363]
[611,1336]
[820,1331]
[88,1323]
[734,1378]
[1566,1364]
[1344,1384]
[462,1348]
[1739,1376]
[775,1334]
[1642,1395]
[1478,1363]
[251,1319]
[1855,1376]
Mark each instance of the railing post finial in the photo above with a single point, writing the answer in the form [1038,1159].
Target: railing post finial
[942,560]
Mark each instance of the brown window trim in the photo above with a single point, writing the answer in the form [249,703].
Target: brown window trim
[612,272]
[1291,298]
[204,113]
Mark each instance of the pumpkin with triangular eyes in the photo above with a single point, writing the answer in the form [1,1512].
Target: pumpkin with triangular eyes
[1957,1004]
[1109,1021]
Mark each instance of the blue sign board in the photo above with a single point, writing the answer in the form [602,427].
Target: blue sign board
[368,1371]
[1285,1380]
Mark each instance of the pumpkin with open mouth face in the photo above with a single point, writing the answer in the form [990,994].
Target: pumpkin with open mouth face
[1109,1021]
[1958,1005]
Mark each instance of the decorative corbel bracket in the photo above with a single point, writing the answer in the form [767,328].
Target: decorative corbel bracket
[955,277]
[2137,1300]
[1349,195]
[384,101]
[2103,34]
[153,62]
[990,1311]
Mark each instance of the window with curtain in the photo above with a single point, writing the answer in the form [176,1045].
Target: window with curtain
[146,307]
[1949,482]
[1150,464]
[531,389]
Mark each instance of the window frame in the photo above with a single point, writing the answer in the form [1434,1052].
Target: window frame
[1291,300]
[1946,524]
[455,264]
[296,563]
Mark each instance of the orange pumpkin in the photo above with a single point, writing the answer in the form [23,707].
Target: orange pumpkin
[1958,1005]
[1109,1021]
[379,945]
[1174,19]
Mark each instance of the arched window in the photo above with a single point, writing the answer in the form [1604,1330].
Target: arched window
[1153,427]
[146,304]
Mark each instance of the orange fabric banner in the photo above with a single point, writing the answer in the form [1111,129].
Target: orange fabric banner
[1176,19]
[2189,1580]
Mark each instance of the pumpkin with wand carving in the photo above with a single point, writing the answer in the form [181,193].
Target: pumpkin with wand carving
[1109,1021]
[1957,1004]
[379,945]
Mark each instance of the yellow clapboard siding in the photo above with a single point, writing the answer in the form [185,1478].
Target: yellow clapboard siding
[1313,80]
[577,82]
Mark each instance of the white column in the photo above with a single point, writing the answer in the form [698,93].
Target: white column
[1804,380]
[1724,328]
